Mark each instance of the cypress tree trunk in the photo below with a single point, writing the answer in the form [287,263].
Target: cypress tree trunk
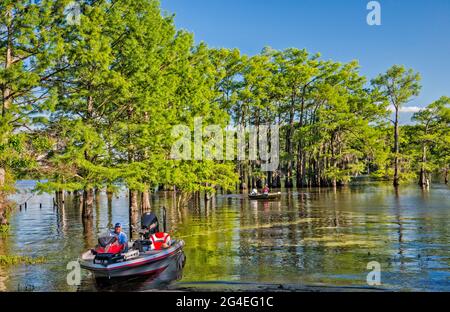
[76,198]
[423,173]
[288,183]
[146,206]
[318,164]
[396,149]
[197,198]
[88,203]
[6,104]
[88,230]
[133,211]
[278,181]
[289,148]
[270,179]
[56,199]
[307,172]
[3,219]
[97,199]
[243,163]
[446,176]
[276,175]
[299,173]
[244,184]
[333,162]
[301,168]
[6,90]
[260,183]
[109,196]
[301,156]
[209,195]
[250,179]
[2,177]
[60,198]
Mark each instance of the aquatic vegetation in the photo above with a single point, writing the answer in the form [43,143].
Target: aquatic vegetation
[14,260]
[251,227]
[4,229]
[341,241]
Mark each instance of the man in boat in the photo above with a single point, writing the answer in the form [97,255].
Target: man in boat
[254,192]
[122,238]
[266,190]
[160,241]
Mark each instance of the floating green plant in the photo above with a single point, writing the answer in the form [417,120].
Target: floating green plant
[14,260]
[4,228]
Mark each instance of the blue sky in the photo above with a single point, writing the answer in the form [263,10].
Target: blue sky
[415,33]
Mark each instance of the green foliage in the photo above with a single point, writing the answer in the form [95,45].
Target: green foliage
[395,88]
[431,134]
[130,77]
[92,105]
[398,85]
[29,31]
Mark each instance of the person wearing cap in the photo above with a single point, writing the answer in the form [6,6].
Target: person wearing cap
[122,238]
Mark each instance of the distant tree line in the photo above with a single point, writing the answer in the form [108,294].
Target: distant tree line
[90,105]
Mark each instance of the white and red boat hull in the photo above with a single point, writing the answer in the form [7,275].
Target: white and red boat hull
[150,262]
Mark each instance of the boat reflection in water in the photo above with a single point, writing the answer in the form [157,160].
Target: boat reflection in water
[158,281]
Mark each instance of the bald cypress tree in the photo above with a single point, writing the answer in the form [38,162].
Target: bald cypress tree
[29,40]
[398,86]
[86,89]
[432,131]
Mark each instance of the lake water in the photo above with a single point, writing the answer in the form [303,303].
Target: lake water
[310,238]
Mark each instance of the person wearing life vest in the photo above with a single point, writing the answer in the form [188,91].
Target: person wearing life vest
[160,241]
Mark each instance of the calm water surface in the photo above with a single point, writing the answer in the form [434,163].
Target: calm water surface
[311,238]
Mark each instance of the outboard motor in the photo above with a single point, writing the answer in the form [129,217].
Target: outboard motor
[151,237]
[150,224]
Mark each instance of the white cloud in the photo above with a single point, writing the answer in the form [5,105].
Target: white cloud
[407,109]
